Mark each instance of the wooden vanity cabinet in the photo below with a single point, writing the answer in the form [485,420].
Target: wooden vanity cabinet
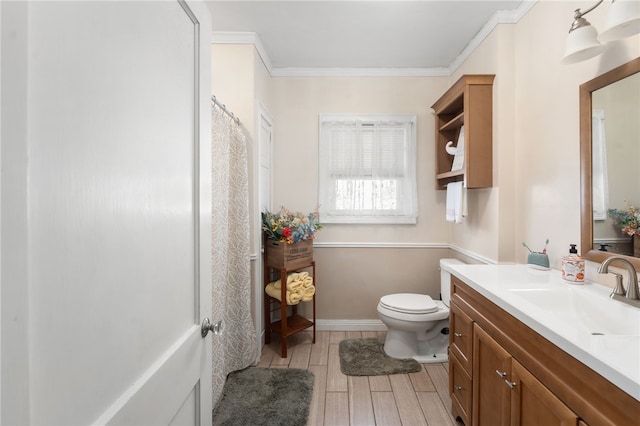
[520,378]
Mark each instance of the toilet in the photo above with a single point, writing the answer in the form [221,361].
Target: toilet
[417,325]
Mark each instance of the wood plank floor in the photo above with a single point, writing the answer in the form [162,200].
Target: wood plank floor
[414,399]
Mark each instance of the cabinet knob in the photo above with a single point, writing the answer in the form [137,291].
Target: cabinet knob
[458,388]
[510,384]
[457,334]
[501,374]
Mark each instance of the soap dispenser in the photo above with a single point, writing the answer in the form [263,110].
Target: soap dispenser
[573,266]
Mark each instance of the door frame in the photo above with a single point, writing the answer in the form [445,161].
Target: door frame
[262,116]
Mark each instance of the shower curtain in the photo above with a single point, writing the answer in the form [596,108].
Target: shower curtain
[237,347]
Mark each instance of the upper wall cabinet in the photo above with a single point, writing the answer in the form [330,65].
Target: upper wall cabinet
[464,117]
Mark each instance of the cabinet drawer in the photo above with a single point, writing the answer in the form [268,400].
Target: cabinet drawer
[460,389]
[461,337]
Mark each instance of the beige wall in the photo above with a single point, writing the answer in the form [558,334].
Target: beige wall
[240,80]
[352,279]
[299,102]
[232,79]
[547,128]
[536,193]
[490,227]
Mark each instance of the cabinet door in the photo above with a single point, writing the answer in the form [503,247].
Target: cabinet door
[461,338]
[533,404]
[491,370]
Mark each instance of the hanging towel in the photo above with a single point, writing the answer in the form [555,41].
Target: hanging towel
[456,202]
[463,208]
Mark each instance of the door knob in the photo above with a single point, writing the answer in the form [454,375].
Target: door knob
[207,325]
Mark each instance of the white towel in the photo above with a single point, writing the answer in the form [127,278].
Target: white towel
[456,207]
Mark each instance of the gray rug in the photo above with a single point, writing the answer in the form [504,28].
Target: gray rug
[265,396]
[366,357]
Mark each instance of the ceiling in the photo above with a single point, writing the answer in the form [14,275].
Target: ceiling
[419,37]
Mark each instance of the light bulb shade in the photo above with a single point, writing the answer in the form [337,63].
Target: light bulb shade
[623,20]
[582,44]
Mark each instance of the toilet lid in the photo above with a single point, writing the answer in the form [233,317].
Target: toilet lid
[409,303]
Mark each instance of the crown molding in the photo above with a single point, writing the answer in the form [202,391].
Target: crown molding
[500,17]
[230,37]
[360,72]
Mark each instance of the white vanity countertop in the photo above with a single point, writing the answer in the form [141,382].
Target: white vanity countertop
[581,319]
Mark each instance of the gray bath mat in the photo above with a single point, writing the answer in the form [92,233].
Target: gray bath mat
[265,396]
[366,357]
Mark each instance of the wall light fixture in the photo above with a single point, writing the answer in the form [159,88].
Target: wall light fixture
[583,42]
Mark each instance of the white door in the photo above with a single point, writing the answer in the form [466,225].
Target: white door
[105,198]
[265,150]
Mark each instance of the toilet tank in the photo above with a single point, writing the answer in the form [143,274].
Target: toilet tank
[445,279]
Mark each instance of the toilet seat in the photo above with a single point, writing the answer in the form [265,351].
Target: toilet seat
[414,311]
[409,303]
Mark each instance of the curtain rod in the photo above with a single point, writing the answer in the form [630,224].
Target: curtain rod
[224,109]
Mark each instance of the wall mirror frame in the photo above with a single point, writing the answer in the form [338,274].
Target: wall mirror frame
[586,89]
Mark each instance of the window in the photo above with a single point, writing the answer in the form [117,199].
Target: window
[367,169]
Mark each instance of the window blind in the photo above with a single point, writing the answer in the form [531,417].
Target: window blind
[367,169]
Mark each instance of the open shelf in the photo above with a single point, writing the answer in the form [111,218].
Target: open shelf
[295,323]
[454,124]
[467,103]
[288,324]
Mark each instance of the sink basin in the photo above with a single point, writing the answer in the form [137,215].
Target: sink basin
[586,312]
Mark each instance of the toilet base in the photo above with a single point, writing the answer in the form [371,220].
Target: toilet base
[424,346]
[431,359]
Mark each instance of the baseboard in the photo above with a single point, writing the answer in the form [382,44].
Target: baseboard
[340,325]
[345,325]
[350,325]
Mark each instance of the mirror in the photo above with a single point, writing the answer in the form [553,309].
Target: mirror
[609,140]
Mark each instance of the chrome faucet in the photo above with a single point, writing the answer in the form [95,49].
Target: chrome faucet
[629,296]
